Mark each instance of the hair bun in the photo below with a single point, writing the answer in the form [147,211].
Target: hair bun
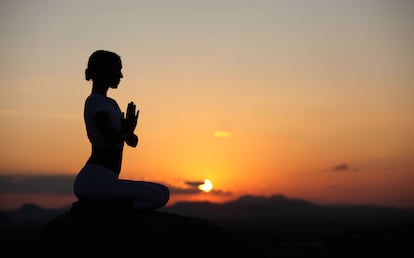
[87,74]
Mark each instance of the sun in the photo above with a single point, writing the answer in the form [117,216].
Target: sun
[206,187]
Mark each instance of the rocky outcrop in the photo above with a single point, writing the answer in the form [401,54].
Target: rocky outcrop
[119,231]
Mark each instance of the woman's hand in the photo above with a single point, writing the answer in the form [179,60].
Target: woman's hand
[129,123]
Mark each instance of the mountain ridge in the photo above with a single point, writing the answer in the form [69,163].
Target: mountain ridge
[265,212]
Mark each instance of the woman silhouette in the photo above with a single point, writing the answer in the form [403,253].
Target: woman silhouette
[108,129]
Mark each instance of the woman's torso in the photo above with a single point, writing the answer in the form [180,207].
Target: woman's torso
[103,152]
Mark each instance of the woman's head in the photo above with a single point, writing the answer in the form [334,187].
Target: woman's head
[104,67]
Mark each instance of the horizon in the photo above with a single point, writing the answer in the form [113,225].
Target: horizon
[309,99]
[231,200]
[200,198]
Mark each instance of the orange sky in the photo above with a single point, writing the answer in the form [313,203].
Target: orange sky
[308,99]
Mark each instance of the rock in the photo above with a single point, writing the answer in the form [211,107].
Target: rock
[123,232]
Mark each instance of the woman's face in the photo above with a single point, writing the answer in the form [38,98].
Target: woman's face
[114,74]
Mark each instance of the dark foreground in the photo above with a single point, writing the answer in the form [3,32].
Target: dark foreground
[284,227]
[160,234]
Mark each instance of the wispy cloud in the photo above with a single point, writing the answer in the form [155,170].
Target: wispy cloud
[191,187]
[222,134]
[194,183]
[343,167]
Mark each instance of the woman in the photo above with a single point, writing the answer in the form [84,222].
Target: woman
[108,130]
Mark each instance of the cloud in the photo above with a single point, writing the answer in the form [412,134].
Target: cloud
[220,192]
[344,167]
[54,184]
[194,183]
[341,167]
[179,190]
[191,187]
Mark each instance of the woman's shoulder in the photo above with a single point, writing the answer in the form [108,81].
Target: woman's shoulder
[95,97]
[100,100]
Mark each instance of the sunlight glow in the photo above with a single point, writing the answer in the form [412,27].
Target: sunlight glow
[222,134]
[207,186]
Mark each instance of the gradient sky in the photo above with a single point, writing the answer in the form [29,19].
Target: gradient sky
[310,99]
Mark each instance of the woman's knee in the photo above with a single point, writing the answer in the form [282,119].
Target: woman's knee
[165,194]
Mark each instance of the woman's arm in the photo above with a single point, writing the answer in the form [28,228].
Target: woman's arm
[114,137]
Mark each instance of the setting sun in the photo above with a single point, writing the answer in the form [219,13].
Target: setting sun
[207,186]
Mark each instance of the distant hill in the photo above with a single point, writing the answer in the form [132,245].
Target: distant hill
[272,213]
[29,216]
[278,212]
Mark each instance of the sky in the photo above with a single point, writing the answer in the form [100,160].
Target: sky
[309,99]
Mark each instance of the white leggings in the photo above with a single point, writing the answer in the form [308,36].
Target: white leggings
[98,182]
